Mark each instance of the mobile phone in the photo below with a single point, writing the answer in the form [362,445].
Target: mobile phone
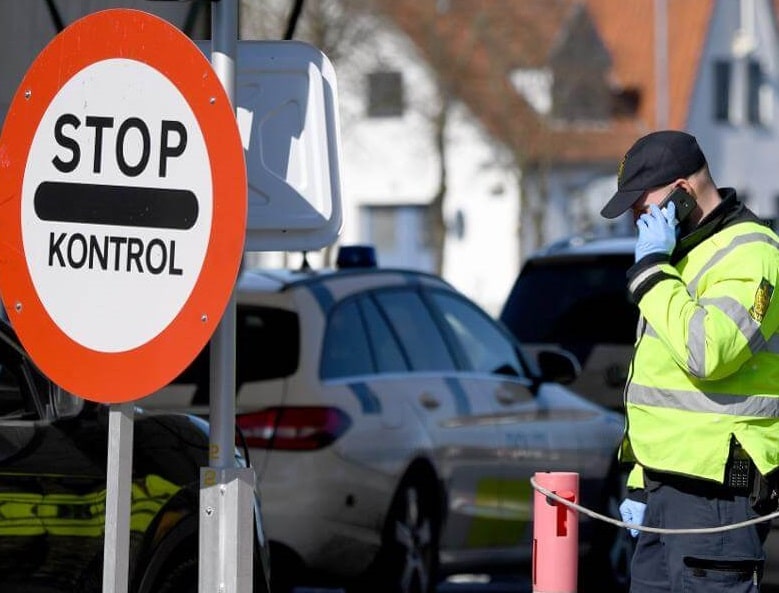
[685,203]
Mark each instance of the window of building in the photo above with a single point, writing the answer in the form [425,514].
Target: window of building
[758,95]
[385,94]
[381,222]
[722,74]
[625,102]
[390,228]
[742,94]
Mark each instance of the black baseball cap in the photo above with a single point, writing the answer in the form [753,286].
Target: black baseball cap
[653,161]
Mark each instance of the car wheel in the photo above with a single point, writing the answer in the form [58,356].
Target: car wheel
[612,546]
[182,578]
[408,559]
[286,571]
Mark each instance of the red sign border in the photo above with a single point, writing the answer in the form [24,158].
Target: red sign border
[132,374]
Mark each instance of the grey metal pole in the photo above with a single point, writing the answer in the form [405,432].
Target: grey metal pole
[116,548]
[662,117]
[224,46]
[226,492]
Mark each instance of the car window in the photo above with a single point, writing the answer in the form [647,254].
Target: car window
[268,343]
[572,301]
[345,350]
[11,399]
[268,347]
[66,405]
[384,345]
[486,348]
[420,338]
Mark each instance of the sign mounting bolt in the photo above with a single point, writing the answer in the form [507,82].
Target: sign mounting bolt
[212,100]
[27,94]
[18,307]
[204,318]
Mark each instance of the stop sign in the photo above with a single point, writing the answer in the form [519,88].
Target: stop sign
[124,205]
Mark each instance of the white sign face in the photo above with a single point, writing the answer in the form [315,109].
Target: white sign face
[116,205]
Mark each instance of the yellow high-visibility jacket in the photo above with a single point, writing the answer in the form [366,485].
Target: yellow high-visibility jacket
[706,362]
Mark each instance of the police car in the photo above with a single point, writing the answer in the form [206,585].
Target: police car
[394,427]
[53,455]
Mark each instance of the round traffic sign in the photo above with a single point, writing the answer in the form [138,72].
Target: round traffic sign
[123,205]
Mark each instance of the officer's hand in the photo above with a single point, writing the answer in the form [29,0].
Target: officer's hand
[632,511]
[656,231]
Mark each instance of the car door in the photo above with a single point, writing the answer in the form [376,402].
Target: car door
[52,494]
[542,426]
[495,375]
[462,437]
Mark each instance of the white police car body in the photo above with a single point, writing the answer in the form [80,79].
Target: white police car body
[394,426]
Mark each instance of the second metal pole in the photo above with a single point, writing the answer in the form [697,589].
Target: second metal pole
[226,492]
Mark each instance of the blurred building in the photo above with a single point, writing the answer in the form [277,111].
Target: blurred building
[475,131]
[518,113]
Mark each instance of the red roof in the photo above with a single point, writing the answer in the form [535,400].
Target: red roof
[475,44]
[628,29]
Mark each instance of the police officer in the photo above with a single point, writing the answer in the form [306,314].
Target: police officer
[702,395]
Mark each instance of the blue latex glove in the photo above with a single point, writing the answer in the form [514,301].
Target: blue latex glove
[656,231]
[632,511]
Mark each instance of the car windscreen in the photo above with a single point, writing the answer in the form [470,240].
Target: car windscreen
[572,302]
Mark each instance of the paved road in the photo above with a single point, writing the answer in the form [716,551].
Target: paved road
[464,584]
[486,584]
[500,584]
[497,584]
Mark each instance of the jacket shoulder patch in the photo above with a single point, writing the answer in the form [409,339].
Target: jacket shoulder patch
[762,300]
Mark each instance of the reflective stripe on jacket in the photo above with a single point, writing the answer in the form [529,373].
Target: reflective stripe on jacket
[706,364]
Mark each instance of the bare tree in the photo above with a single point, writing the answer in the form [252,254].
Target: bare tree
[450,42]
[338,28]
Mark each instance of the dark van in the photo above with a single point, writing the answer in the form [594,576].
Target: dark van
[573,294]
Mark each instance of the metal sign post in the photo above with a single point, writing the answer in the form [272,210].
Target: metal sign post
[116,547]
[222,418]
[226,493]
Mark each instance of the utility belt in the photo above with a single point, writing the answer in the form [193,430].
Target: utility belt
[742,478]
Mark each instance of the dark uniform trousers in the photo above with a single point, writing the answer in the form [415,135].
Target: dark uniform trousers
[723,562]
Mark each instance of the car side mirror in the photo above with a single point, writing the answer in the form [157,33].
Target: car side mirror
[558,365]
[63,403]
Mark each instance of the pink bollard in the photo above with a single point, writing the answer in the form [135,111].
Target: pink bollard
[555,534]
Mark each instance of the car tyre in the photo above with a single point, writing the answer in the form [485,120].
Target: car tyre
[182,578]
[286,571]
[408,559]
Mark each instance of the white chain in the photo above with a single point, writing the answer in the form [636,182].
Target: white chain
[594,515]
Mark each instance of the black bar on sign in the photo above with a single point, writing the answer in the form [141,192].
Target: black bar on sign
[118,205]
